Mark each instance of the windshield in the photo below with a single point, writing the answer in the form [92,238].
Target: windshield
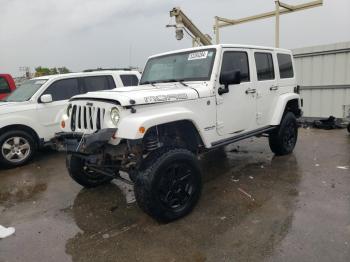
[25,91]
[185,66]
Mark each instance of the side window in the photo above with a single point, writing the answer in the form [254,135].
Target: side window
[4,86]
[98,83]
[129,80]
[236,61]
[264,66]
[285,65]
[63,89]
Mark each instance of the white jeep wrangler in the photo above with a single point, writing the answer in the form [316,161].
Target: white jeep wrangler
[188,102]
[31,115]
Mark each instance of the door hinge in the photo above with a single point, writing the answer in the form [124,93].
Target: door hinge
[258,115]
[219,100]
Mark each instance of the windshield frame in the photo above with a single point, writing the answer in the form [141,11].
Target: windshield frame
[207,78]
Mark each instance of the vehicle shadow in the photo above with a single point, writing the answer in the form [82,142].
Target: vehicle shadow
[246,209]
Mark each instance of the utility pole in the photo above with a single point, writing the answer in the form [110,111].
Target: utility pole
[26,71]
[277,25]
[280,9]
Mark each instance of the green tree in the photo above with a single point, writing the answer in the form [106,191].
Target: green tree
[53,71]
[43,71]
[63,70]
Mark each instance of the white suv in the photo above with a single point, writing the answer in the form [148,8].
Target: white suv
[30,116]
[188,102]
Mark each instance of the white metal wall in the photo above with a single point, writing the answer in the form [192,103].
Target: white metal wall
[323,72]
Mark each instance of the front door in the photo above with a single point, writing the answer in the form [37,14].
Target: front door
[236,109]
[50,113]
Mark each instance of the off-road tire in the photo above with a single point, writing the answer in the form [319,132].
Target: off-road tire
[283,139]
[155,177]
[80,174]
[24,136]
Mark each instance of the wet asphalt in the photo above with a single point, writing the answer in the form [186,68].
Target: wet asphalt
[254,207]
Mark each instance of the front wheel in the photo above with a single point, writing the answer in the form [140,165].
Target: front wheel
[348,128]
[169,185]
[282,140]
[81,174]
[17,148]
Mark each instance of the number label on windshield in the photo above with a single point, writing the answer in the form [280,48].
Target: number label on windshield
[198,55]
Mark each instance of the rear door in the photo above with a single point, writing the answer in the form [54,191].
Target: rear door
[50,113]
[266,86]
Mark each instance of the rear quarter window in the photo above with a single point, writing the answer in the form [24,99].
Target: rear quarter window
[285,65]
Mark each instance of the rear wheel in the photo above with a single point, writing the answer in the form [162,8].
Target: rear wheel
[17,148]
[169,186]
[81,174]
[348,128]
[282,140]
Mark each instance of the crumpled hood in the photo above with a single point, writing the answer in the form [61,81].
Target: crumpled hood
[12,107]
[145,94]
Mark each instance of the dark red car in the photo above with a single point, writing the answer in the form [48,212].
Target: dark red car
[7,85]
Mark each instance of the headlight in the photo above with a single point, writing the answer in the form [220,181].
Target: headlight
[69,109]
[115,115]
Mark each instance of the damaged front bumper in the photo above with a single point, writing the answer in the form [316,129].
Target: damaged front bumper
[73,142]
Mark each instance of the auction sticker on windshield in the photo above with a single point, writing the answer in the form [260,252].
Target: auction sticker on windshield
[198,55]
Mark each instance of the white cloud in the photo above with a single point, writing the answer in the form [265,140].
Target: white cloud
[90,33]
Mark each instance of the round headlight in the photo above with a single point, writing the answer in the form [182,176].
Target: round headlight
[115,115]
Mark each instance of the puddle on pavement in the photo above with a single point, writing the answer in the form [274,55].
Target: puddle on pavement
[21,191]
[226,222]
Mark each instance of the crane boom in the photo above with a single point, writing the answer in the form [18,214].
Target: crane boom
[183,22]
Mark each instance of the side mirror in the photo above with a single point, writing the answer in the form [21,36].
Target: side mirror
[232,77]
[46,98]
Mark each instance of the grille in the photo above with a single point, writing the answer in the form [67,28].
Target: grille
[87,118]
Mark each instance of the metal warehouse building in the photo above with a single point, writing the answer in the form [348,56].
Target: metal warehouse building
[323,73]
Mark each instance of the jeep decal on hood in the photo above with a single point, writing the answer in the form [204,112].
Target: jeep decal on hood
[165,98]
[139,96]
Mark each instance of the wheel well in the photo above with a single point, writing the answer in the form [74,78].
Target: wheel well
[22,128]
[293,106]
[181,133]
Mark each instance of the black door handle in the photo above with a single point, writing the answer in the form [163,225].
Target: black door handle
[274,88]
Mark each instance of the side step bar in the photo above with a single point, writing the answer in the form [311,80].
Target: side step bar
[230,140]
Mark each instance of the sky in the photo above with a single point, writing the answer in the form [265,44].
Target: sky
[81,34]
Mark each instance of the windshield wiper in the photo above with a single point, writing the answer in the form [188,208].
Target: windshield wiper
[181,81]
[148,83]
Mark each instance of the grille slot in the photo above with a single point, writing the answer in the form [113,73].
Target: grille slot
[79,117]
[87,118]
